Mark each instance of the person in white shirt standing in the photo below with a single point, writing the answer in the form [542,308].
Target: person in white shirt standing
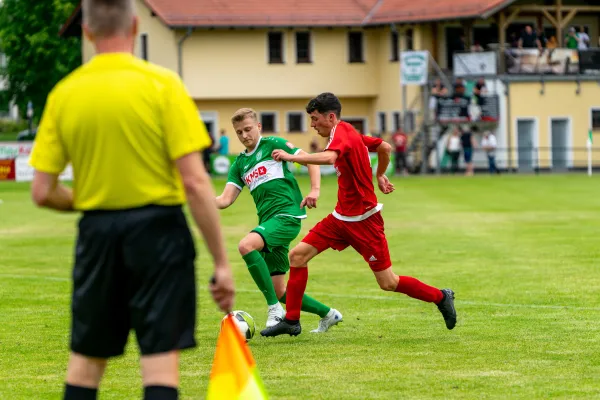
[583,39]
[489,144]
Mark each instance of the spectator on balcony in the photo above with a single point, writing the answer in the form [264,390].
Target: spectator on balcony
[479,90]
[572,41]
[513,39]
[552,43]
[459,88]
[529,39]
[438,89]
[477,47]
[583,39]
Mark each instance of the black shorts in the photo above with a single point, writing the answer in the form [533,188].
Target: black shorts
[134,269]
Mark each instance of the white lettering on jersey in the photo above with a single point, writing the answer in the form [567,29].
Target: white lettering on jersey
[263,172]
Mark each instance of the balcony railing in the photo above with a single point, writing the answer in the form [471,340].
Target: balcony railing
[514,61]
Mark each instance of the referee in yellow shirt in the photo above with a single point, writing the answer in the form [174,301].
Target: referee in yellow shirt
[134,137]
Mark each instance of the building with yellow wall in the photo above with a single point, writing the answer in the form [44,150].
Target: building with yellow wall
[273,57]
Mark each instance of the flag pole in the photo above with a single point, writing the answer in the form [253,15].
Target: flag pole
[589,151]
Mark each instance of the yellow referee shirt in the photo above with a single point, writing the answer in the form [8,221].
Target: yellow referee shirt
[121,122]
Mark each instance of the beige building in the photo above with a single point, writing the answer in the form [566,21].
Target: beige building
[273,57]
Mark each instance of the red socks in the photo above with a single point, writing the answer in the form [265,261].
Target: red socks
[295,290]
[418,290]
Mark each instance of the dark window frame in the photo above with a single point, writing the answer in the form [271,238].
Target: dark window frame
[394,46]
[595,119]
[301,126]
[275,53]
[265,127]
[356,54]
[303,55]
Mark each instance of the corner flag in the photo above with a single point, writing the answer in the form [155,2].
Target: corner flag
[234,374]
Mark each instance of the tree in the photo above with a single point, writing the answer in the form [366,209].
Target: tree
[37,57]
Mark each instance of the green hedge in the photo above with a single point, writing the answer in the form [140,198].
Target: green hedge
[8,126]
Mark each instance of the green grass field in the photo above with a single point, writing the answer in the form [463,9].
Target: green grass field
[521,253]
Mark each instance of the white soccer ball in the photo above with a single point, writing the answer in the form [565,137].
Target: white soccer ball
[244,323]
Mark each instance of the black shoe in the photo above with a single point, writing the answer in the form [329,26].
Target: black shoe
[292,329]
[447,309]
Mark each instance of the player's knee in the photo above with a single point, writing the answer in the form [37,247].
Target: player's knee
[297,258]
[246,246]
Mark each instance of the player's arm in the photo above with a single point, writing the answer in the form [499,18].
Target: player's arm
[229,196]
[383,150]
[323,158]
[314,172]
[49,159]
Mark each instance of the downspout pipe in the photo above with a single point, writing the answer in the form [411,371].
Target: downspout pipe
[188,33]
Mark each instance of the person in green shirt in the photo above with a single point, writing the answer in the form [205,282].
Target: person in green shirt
[280,209]
[571,40]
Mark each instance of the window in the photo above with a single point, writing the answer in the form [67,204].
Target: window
[295,122]
[394,50]
[409,38]
[268,121]
[275,47]
[596,119]
[303,47]
[355,47]
[144,46]
[382,122]
[396,117]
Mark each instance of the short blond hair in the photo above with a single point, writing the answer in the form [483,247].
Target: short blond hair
[105,18]
[242,114]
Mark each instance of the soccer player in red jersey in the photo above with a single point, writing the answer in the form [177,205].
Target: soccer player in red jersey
[356,220]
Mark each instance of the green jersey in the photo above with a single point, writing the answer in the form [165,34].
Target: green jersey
[273,187]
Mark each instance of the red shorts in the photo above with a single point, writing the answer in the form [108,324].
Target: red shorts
[366,237]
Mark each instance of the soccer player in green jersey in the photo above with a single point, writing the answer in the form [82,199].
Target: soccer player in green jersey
[280,209]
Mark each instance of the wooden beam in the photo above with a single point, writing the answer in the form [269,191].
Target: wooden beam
[568,19]
[559,15]
[588,9]
[514,14]
[550,18]
[502,40]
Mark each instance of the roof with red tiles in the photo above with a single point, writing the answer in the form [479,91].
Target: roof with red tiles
[270,13]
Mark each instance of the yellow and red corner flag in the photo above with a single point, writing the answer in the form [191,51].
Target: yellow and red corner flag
[234,374]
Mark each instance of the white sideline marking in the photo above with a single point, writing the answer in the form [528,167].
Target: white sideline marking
[348,296]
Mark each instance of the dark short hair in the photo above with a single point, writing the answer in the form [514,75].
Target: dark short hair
[325,103]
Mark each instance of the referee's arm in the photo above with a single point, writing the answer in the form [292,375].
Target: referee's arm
[49,159]
[186,136]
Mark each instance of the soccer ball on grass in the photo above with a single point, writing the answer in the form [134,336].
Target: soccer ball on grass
[244,323]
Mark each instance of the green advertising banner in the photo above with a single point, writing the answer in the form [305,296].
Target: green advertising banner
[220,165]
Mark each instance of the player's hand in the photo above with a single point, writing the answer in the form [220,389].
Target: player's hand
[384,184]
[310,201]
[280,155]
[221,288]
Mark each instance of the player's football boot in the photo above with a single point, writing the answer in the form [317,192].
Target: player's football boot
[447,309]
[275,315]
[332,318]
[282,328]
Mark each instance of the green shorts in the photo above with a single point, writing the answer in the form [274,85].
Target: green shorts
[277,233]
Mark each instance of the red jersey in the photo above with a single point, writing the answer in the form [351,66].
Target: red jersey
[356,194]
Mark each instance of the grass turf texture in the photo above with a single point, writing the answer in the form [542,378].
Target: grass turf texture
[521,252]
